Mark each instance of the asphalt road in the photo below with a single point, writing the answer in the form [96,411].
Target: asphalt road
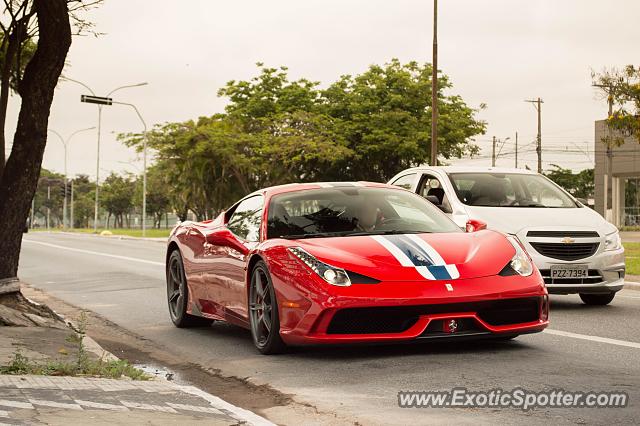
[123,280]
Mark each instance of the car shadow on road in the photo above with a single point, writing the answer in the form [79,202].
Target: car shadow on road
[377,351]
[242,337]
[564,303]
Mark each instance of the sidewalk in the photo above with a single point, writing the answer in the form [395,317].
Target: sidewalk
[35,340]
[79,401]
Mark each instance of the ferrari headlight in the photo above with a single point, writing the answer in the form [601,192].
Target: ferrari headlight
[331,274]
[612,241]
[521,263]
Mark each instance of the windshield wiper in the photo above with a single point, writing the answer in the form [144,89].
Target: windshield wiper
[311,235]
[388,232]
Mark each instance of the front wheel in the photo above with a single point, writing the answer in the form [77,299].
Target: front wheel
[597,299]
[178,295]
[263,312]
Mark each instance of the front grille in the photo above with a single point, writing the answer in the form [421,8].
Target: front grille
[593,278]
[560,234]
[397,319]
[563,251]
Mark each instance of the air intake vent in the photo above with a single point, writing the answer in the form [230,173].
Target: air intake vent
[562,251]
[561,234]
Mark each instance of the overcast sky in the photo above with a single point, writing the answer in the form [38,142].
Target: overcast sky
[497,52]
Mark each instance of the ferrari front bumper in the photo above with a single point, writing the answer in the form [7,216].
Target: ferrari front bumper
[398,311]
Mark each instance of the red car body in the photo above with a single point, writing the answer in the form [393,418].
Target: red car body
[392,303]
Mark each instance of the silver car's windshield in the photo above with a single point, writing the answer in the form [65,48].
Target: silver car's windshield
[509,190]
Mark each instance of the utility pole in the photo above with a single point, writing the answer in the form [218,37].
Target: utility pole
[71,218]
[493,153]
[516,150]
[48,205]
[434,89]
[537,103]
[608,168]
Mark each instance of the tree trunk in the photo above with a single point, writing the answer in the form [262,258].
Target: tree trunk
[15,39]
[21,172]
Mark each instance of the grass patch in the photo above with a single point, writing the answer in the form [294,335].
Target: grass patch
[630,228]
[82,365]
[20,364]
[150,233]
[632,253]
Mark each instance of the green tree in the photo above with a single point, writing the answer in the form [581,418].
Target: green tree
[49,196]
[622,89]
[276,131]
[117,198]
[580,185]
[384,114]
[83,201]
[157,196]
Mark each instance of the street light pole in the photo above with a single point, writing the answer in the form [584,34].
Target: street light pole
[97,202]
[66,144]
[434,89]
[144,166]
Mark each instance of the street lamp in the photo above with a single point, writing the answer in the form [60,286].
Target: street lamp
[97,100]
[66,144]
[144,166]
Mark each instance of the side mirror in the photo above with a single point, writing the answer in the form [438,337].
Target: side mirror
[474,225]
[583,201]
[223,237]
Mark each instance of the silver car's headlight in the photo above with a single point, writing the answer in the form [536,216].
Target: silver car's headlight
[331,274]
[612,241]
[521,263]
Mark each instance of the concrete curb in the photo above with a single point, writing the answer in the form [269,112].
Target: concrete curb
[94,347]
[630,285]
[117,237]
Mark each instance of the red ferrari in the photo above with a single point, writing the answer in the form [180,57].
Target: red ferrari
[350,263]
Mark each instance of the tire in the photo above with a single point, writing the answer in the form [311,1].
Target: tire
[263,312]
[178,295]
[597,299]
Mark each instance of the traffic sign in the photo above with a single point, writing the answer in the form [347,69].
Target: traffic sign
[96,100]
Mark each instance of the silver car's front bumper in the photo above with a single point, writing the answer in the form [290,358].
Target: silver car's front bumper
[606,269]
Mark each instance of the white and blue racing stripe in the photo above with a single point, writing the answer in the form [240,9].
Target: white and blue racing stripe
[412,251]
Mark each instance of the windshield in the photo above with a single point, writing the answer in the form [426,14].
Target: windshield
[509,190]
[349,211]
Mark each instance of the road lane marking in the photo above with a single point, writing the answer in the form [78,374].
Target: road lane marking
[594,338]
[96,253]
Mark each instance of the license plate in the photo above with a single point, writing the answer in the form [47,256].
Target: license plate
[569,271]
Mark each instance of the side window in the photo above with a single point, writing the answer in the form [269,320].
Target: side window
[430,185]
[245,220]
[405,181]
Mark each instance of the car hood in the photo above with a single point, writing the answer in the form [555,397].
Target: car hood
[512,220]
[407,257]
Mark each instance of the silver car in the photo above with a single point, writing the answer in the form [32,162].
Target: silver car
[575,249]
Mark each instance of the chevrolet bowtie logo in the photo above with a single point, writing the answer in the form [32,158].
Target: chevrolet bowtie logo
[568,240]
